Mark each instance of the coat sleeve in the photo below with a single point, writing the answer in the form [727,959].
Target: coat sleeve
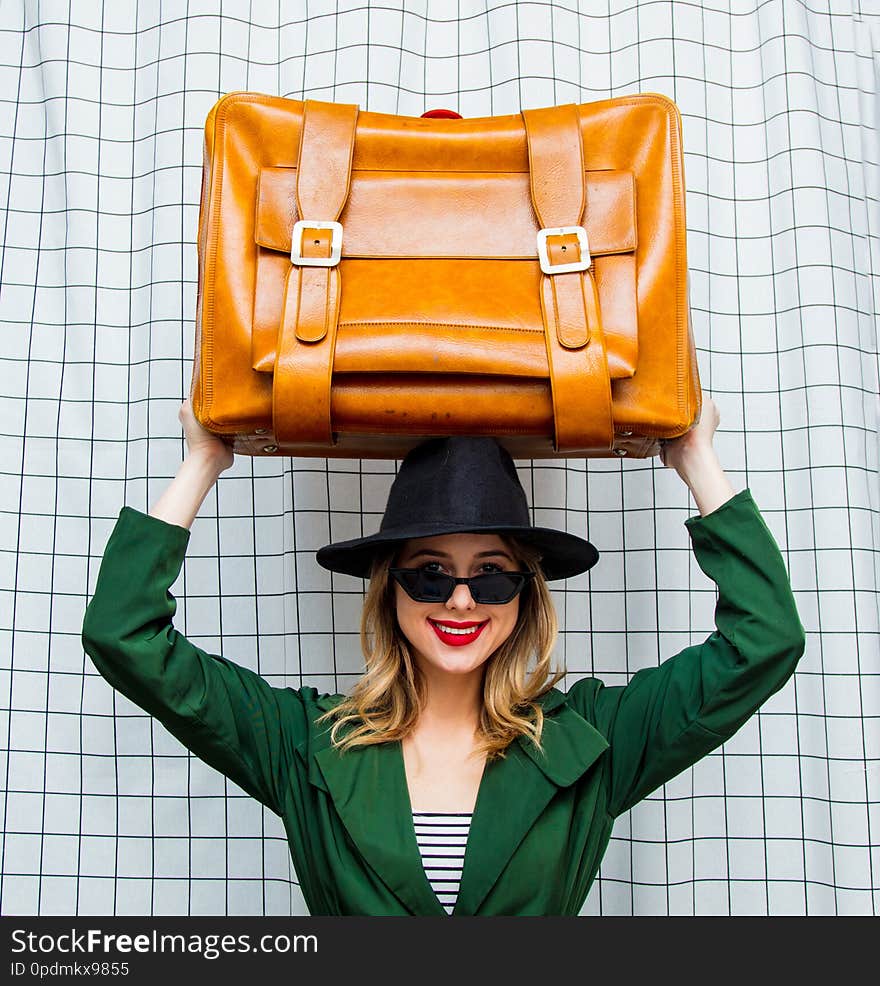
[227,715]
[670,716]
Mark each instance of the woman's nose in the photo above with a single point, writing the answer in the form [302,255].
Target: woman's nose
[461,598]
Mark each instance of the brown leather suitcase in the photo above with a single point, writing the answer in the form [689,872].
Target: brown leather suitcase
[368,280]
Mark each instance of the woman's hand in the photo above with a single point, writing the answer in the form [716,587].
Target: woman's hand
[680,453]
[692,455]
[207,456]
[202,442]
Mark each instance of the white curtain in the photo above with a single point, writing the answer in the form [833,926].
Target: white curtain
[101,114]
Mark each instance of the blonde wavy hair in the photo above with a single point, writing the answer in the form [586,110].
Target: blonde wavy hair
[386,702]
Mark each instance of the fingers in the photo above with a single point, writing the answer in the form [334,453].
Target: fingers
[186,415]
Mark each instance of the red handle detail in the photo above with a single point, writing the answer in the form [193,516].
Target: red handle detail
[442,114]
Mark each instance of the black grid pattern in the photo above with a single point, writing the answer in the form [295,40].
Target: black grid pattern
[101,115]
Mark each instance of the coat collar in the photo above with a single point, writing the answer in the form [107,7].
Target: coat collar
[369,790]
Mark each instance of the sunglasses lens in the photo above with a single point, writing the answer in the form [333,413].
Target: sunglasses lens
[426,587]
[500,587]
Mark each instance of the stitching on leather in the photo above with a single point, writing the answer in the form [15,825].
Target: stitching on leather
[353,436]
[442,325]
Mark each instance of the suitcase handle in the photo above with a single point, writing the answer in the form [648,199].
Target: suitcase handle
[442,115]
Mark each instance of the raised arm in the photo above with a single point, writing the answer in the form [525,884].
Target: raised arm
[207,457]
[228,715]
[694,458]
[670,716]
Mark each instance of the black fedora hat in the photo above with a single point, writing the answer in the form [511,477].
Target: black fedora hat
[459,485]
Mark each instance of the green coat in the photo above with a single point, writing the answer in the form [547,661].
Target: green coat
[541,822]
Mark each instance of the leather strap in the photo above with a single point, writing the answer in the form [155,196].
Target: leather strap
[307,334]
[579,377]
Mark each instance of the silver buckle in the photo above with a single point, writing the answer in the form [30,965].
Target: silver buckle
[296,256]
[582,264]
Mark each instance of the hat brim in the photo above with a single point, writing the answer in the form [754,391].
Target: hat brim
[564,555]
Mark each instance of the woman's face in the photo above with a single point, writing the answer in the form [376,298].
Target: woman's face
[457,636]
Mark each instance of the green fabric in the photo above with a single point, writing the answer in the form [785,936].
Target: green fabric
[542,820]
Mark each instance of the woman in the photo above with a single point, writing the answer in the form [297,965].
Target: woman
[456,719]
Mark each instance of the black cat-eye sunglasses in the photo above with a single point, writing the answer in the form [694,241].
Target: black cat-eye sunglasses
[493,588]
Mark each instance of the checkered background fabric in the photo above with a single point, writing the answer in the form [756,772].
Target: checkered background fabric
[102,108]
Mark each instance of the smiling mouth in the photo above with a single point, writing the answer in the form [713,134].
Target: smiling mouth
[458,634]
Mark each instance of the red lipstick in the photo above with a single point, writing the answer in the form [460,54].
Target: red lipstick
[475,628]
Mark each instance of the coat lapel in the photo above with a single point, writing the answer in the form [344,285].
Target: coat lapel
[368,787]
[369,790]
[516,789]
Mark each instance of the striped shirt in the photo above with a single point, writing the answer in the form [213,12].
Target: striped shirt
[442,839]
